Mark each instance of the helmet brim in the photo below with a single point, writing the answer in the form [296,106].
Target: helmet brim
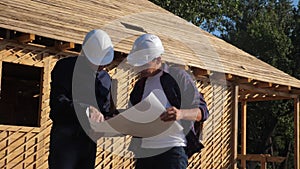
[142,57]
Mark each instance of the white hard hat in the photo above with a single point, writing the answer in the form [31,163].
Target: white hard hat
[98,48]
[145,48]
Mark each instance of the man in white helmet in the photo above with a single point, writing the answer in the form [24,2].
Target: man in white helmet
[176,90]
[80,89]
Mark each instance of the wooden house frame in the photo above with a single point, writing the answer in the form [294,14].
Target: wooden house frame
[39,32]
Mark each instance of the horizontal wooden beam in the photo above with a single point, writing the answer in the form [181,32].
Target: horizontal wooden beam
[295,91]
[262,98]
[261,157]
[251,96]
[283,88]
[267,91]
[11,128]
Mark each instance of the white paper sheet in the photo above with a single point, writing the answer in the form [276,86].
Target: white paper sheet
[141,120]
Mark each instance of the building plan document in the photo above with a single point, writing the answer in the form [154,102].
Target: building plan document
[141,120]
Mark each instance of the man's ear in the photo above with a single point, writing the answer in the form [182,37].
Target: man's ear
[158,60]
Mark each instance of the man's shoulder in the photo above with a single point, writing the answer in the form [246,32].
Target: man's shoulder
[178,72]
[67,60]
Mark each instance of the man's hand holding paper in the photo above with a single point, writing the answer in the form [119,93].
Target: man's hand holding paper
[141,120]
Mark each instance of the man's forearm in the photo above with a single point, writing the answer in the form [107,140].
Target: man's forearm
[194,114]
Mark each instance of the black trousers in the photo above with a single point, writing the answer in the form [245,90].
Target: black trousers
[174,158]
[71,148]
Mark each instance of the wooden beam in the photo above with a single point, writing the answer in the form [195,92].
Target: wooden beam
[261,157]
[235,125]
[264,84]
[268,91]
[229,77]
[64,45]
[283,88]
[244,80]
[243,132]
[295,91]
[263,163]
[252,157]
[24,38]
[296,134]
[275,159]
[264,98]
[200,72]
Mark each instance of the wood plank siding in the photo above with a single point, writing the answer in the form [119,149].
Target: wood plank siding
[124,20]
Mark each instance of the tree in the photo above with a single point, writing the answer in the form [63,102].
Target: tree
[269,30]
[211,15]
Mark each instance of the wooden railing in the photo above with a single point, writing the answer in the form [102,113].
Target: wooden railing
[262,158]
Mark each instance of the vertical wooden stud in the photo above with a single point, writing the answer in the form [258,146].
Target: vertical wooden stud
[297,134]
[243,131]
[235,126]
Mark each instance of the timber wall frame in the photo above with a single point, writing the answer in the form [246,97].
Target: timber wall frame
[259,94]
[27,147]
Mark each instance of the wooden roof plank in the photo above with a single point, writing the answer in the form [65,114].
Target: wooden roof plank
[69,21]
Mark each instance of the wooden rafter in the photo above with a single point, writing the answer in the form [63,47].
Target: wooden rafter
[243,80]
[229,77]
[264,85]
[26,37]
[283,88]
[64,45]
[295,91]
[200,72]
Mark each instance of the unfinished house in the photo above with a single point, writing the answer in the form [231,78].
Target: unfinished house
[34,34]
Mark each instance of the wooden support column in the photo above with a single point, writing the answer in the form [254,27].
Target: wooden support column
[263,164]
[243,132]
[235,125]
[297,134]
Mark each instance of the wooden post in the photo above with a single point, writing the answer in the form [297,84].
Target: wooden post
[263,164]
[235,125]
[243,132]
[297,135]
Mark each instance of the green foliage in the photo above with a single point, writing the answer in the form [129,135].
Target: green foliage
[269,30]
[263,32]
[207,13]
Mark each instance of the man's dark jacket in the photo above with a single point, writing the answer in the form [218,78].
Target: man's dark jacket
[74,87]
[182,93]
